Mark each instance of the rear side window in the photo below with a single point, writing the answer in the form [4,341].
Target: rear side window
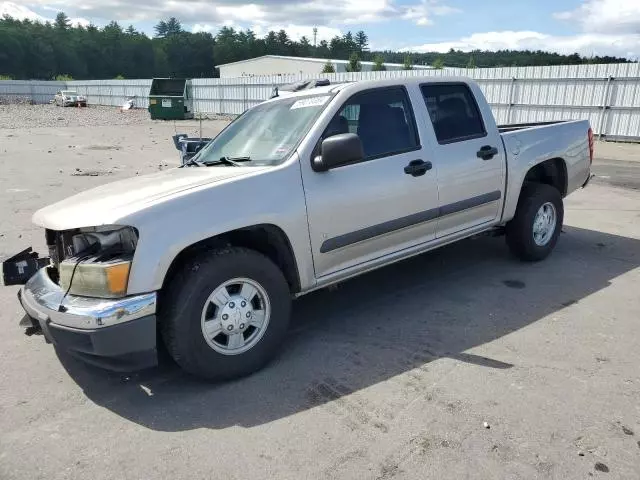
[453,111]
[383,120]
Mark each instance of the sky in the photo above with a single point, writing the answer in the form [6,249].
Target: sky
[589,27]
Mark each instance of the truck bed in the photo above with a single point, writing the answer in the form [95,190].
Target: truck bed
[526,144]
[510,127]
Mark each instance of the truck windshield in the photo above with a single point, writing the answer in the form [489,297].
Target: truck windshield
[267,134]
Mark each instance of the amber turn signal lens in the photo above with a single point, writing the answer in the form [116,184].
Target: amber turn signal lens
[117,278]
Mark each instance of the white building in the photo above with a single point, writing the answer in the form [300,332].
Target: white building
[281,65]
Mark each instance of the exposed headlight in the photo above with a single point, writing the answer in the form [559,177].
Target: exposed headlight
[102,280]
[100,261]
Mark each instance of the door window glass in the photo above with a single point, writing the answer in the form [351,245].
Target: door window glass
[453,111]
[383,120]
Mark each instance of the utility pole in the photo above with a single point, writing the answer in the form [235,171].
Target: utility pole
[315,36]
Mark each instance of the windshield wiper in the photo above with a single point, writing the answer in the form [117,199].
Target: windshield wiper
[235,161]
[190,163]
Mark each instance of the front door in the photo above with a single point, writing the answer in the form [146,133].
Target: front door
[472,164]
[363,211]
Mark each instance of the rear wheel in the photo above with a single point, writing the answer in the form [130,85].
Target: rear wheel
[226,313]
[536,226]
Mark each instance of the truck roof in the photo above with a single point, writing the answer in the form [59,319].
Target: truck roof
[366,84]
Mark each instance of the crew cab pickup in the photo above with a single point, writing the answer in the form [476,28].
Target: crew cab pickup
[298,193]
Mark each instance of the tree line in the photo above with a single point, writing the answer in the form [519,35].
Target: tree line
[34,50]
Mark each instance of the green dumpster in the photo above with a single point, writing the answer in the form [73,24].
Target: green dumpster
[170,99]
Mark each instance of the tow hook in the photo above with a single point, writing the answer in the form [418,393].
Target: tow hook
[29,331]
[31,327]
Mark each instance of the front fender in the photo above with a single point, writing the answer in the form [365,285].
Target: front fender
[169,228]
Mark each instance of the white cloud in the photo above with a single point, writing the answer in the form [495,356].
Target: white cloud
[610,27]
[247,13]
[203,27]
[79,21]
[328,13]
[19,12]
[585,44]
[421,13]
[312,12]
[605,16]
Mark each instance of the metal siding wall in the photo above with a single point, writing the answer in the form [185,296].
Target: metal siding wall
[34,91]
[608,95]
[113,92]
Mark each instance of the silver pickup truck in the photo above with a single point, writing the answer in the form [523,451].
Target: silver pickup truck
[298,193]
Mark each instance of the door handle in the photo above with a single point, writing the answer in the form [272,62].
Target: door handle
[487,152]
[417,168]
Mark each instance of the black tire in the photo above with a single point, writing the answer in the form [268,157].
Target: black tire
[183,301]
[519,231]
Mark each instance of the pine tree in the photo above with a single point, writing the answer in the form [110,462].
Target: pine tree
[354,64]
[408,63]
[438,63]
[362,40]
[378,64]
[173,26]
[284,43]
[471,63]
[62,22]
[328,67]
[305,47]
[161,29]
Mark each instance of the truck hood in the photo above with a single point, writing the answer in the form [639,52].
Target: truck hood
[107,204]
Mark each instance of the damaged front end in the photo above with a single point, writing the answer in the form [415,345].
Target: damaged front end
[78,297]
[94,261]
[76,258]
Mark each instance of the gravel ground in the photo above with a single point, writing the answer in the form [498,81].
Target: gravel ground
[37,116]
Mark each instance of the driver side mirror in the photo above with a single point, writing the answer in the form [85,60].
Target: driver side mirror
[338,150]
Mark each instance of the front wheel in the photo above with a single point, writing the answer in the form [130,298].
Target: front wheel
[536,226]
[226,313]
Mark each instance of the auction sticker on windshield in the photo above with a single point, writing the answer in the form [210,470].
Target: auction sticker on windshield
[310,102]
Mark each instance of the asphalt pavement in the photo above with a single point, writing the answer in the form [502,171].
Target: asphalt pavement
[617,164]
[619,173]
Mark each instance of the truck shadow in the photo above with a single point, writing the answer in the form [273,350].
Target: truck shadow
[374,328]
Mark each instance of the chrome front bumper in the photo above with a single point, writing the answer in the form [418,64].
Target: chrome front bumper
[116,334]
[45,301]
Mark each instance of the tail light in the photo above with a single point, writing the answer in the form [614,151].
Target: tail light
[590,135]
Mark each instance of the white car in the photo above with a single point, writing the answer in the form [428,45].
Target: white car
[66,98]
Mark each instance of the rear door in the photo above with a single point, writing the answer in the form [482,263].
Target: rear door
[383,204]
[471,163]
